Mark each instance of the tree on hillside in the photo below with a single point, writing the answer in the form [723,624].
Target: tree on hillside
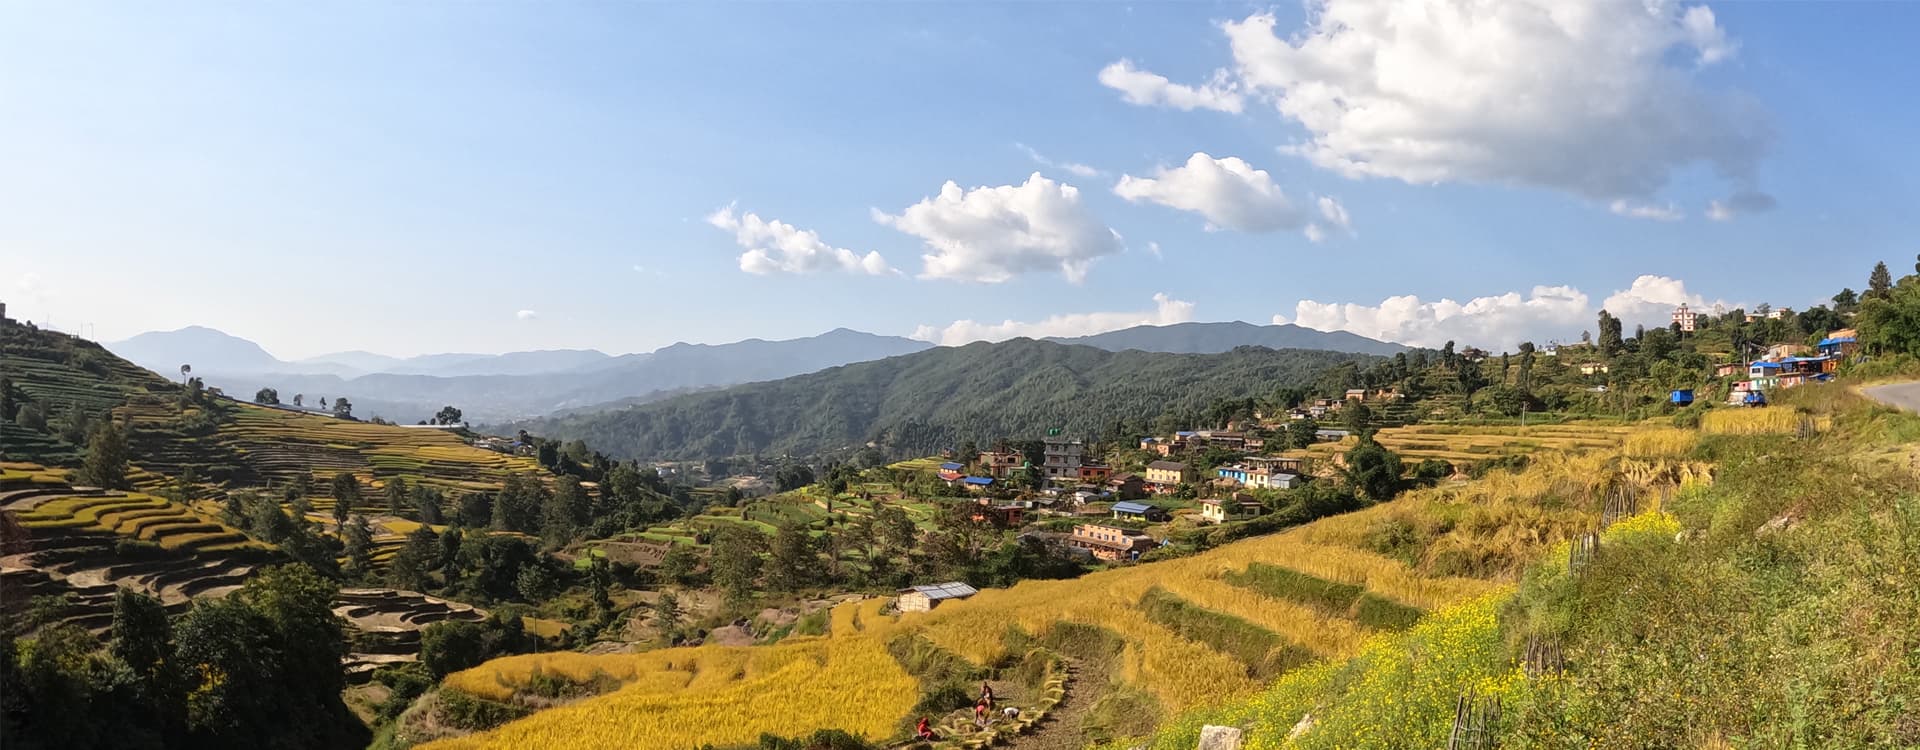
[185,370]
[346,494]
[106,463]
[447,416]
[1846,301]
[266,396]
[357,536]
[1355,416]
[1891,324]
[1610,341]
[323,402]
[142,639]
[297,398]
[1373,470]
[795,559]
[412,564]
[343,408]
[427,502]
[397,495]
[1879,281]
[1302,433]
[735,562]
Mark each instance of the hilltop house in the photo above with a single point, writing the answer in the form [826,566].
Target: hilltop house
[1163,476]
[1258,477]
[1127,486]
[1139,511]
[978,484]
[1222,510]
[952,472]
[1001,464]
[1095,472]
[925,598]
[1355,394]
[1109,542]
[1063,458]
[1686,318]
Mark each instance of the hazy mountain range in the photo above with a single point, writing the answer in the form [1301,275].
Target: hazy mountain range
[519,385]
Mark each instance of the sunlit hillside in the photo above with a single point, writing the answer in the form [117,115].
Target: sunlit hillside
[1191,631]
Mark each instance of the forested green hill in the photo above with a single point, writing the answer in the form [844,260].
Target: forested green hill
[932,400]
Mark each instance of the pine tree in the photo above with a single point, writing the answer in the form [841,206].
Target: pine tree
[1879,281]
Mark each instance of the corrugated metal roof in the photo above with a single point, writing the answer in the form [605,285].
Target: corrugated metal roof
[951,466]
[1131,507]
[1167,466]
[978,480]
[948,590]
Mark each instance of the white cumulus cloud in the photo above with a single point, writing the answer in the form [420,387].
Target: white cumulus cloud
[1598,98]
[1500,322]
[526,314]
[992,234]
[1166,311]
[1229,192]
[1650,300]
[774,246]
[1154,90]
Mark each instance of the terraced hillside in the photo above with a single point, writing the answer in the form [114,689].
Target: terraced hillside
[1188,631]
[57,376]
[82,544]
[1465,445]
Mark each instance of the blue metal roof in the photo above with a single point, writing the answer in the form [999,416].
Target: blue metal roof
[1763,364]
[1131,507]
[1185,433]
[951,466]
[1841,340]
[982,481]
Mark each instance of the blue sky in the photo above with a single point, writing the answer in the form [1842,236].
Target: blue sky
[409,178]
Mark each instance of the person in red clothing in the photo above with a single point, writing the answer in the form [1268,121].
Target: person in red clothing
[986,694]
[980,714]
[923,729]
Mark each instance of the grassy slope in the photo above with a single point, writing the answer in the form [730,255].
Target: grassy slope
[1772,607]
[1185,626]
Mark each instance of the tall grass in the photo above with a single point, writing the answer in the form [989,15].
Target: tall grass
[1771,420]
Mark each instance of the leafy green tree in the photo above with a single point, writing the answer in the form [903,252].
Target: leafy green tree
[357,536]
[397,496]
[447,415]
[1302,433]
[679,565]
[342,408]
[1373,470]
[735,562]
[297,398]
[346,494]
[427,502]
[1846,301]
[448,647]
[795,559]
[106,463]
[412,567]
[266,396]
[1891,324]
[666,614]
[1610,340]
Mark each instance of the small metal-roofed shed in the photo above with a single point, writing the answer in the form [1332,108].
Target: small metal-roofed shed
[1129,509]
[924,598]
[952,466]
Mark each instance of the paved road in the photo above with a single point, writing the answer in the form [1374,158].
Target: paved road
[1902,395]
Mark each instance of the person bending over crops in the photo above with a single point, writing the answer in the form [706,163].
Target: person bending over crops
[923,729]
